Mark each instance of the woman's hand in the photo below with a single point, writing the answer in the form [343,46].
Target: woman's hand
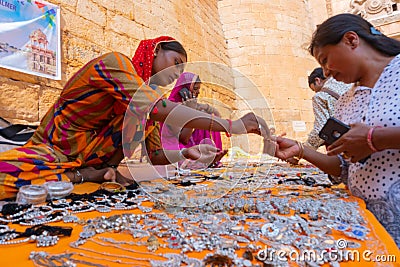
[203,153]
[191,103]
[208,109]
[352,144]
[251,123]
[219,156]
[90,174]
[286,148]
[125,181]
[216,112]
[186,94]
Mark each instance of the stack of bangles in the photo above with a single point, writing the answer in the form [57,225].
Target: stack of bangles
[301,152]
[229,131]
[212,122]
[209,109]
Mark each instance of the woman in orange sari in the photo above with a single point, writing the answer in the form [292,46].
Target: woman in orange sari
[81,136]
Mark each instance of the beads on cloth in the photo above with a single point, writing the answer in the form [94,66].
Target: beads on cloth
[44,236]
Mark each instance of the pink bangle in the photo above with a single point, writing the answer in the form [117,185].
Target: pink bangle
[229,132]
[369,138]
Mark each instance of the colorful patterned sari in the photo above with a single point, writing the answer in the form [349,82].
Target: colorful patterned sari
[84,127]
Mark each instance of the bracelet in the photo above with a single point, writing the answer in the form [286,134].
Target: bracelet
[209,109]
[301,152]
[31,194]
[212,121]
[78,173]
[180,155]
[229,132]
[58,189]
[112,187]
[206,109]
[369,138]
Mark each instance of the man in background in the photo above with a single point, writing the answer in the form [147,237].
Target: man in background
[327,91]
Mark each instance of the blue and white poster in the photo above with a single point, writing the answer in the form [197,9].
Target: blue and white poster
[30,37]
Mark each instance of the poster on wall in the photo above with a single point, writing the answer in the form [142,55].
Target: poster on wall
[30,37]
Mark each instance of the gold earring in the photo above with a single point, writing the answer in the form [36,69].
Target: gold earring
[155,54]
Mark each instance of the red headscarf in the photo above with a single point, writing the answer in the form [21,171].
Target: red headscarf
[144,56]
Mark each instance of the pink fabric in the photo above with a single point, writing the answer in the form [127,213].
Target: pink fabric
[168,139]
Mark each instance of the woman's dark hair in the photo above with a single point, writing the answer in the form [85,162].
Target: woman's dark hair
[316,73]
[198,79]
[174,46]
[331,31]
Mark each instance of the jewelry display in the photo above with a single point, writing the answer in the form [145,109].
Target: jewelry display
[281,229]
[44,236]
[135,259]
[44,259]
[293,210]
[30,216]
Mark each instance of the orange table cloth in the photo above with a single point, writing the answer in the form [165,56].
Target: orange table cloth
[18,255]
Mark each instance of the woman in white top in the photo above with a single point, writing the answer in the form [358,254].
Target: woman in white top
[351,50]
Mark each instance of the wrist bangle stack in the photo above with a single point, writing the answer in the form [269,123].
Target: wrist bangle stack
[369,138]
[212,122]
[229,132]
[209,109]
[301,148]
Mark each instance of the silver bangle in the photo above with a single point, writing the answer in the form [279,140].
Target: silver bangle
[31,194]
[78,173]
[180,155]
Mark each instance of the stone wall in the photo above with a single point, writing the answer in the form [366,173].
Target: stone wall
[383,14]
